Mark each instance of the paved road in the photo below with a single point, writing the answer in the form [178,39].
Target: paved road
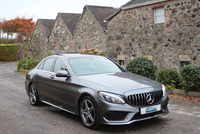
[17,116]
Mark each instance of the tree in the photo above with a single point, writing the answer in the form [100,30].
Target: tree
[6,27]
[22,26]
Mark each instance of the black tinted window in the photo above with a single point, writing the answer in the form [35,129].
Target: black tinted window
[60,65]
[48,64]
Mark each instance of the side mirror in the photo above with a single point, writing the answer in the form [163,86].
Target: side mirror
[62,73]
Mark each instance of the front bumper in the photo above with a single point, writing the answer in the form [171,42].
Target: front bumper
[123,114]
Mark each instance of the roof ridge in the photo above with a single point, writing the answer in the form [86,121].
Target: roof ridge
[99,6]
[131,2]
[45,19]
[70,13]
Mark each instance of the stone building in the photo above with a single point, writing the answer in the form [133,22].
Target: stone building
[39,39]
[91,31]
[165,31]
[61,37]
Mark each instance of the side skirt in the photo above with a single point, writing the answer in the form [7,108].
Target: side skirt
[59,107]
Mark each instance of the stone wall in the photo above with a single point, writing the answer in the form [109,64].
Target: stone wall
[60,39]
[39,42]
[89,34]
[134,32]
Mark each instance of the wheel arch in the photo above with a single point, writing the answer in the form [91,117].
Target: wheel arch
[96,116]
[29,86]
[81,97]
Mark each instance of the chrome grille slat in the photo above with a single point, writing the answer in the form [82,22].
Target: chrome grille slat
[140,99]
[132,98]
[136,100]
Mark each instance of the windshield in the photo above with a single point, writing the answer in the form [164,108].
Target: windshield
[90,65]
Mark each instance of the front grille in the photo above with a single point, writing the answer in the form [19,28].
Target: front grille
[141,99]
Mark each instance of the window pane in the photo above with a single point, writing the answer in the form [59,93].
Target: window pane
[162,11]
[159,19]
[162,18]
[60,65]
[156,11]
[156,19]
[41,66]
[48,64]
[159,12]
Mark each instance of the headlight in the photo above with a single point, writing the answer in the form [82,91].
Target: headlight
[113,98]
[164,90]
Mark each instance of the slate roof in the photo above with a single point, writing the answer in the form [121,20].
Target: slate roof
[70,20]
[100,13]
[134,2]
[48,25]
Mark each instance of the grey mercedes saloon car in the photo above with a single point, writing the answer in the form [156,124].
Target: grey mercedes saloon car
[95,88]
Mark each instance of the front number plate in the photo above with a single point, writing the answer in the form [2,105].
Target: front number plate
[151,109]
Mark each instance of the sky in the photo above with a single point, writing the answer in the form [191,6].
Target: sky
[48,9]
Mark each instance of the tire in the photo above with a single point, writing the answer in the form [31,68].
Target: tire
[33,95]
[89,113]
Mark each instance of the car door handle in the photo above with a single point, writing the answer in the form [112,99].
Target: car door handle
[52,76]
[36,74]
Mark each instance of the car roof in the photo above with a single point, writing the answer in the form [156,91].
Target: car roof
[77,55]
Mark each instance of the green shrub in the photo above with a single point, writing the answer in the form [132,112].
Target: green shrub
[20,64]
[168,77]
[190,76]
[8,52]
[142,66]
[28,64]
[34,63]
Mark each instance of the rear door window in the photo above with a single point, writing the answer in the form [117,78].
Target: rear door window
[41,66]
[48,64]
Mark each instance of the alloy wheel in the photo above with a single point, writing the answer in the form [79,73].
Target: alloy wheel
[33,96]
[87,112]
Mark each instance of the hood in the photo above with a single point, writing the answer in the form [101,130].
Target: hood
[118,83]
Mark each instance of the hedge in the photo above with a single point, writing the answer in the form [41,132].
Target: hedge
[7,41]
[8,52]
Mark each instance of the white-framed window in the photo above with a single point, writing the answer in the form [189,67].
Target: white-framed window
[159,15]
